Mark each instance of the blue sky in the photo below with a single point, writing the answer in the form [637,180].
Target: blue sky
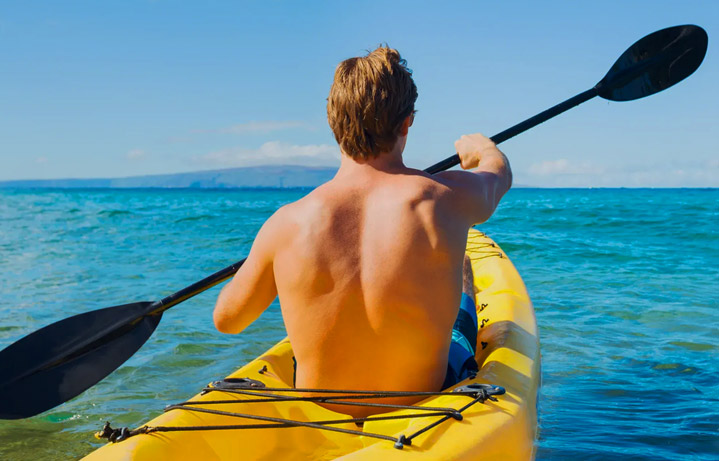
[108,89]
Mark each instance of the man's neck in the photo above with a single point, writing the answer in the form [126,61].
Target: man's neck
[386,162]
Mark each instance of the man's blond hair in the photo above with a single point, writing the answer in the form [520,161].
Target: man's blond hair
[370,98]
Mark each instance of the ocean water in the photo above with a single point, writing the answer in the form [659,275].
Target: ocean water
[625,284]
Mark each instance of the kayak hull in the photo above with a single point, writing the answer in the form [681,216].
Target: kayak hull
[508,356]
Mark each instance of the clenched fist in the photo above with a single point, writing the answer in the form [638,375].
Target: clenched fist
[471,148]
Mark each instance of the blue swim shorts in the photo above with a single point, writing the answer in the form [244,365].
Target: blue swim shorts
[461,363]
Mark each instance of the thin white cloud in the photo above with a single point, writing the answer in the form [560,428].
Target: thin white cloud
[274,153]
[563,166]
[266,126]
[41,160]
[564,173]
[136,154]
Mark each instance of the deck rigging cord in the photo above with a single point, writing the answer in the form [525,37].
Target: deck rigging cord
[479,393]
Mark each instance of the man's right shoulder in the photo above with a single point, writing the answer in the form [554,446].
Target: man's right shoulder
[426,182]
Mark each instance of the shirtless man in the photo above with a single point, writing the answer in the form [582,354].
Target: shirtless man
[368,266]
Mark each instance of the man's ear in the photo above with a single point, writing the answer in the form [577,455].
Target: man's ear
[406,124]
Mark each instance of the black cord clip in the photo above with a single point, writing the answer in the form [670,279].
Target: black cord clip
[402,441]
[237,383]
[481,391]
[113,435]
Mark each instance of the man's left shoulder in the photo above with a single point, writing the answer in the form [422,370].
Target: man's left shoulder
[284,216]
[289,217]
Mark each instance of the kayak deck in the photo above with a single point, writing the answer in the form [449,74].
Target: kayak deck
[252,424]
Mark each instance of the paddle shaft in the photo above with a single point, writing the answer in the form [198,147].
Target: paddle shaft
[521,127]
[196,288]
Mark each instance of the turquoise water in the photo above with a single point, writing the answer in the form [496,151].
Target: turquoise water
[625,285]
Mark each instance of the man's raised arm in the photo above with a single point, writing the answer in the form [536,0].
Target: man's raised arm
[477,193]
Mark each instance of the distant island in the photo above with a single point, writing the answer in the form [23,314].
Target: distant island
[282,176]
[252,177]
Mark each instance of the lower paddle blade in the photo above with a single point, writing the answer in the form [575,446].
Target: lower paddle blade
[655,63]
[60,361]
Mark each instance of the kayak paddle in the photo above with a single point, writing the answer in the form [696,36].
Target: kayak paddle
[61,360]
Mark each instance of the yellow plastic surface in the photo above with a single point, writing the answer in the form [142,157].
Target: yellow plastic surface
[508,356]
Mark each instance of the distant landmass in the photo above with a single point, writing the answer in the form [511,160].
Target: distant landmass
[253,177]
[285,176]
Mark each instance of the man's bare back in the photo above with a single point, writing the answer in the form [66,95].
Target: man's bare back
[370,283]
[368,267]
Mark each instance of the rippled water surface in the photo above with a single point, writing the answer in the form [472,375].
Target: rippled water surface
[625,284]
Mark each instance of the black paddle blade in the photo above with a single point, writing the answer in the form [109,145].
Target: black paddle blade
[60,361]
[655,63]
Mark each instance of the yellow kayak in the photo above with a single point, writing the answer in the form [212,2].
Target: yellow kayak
[256,414]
